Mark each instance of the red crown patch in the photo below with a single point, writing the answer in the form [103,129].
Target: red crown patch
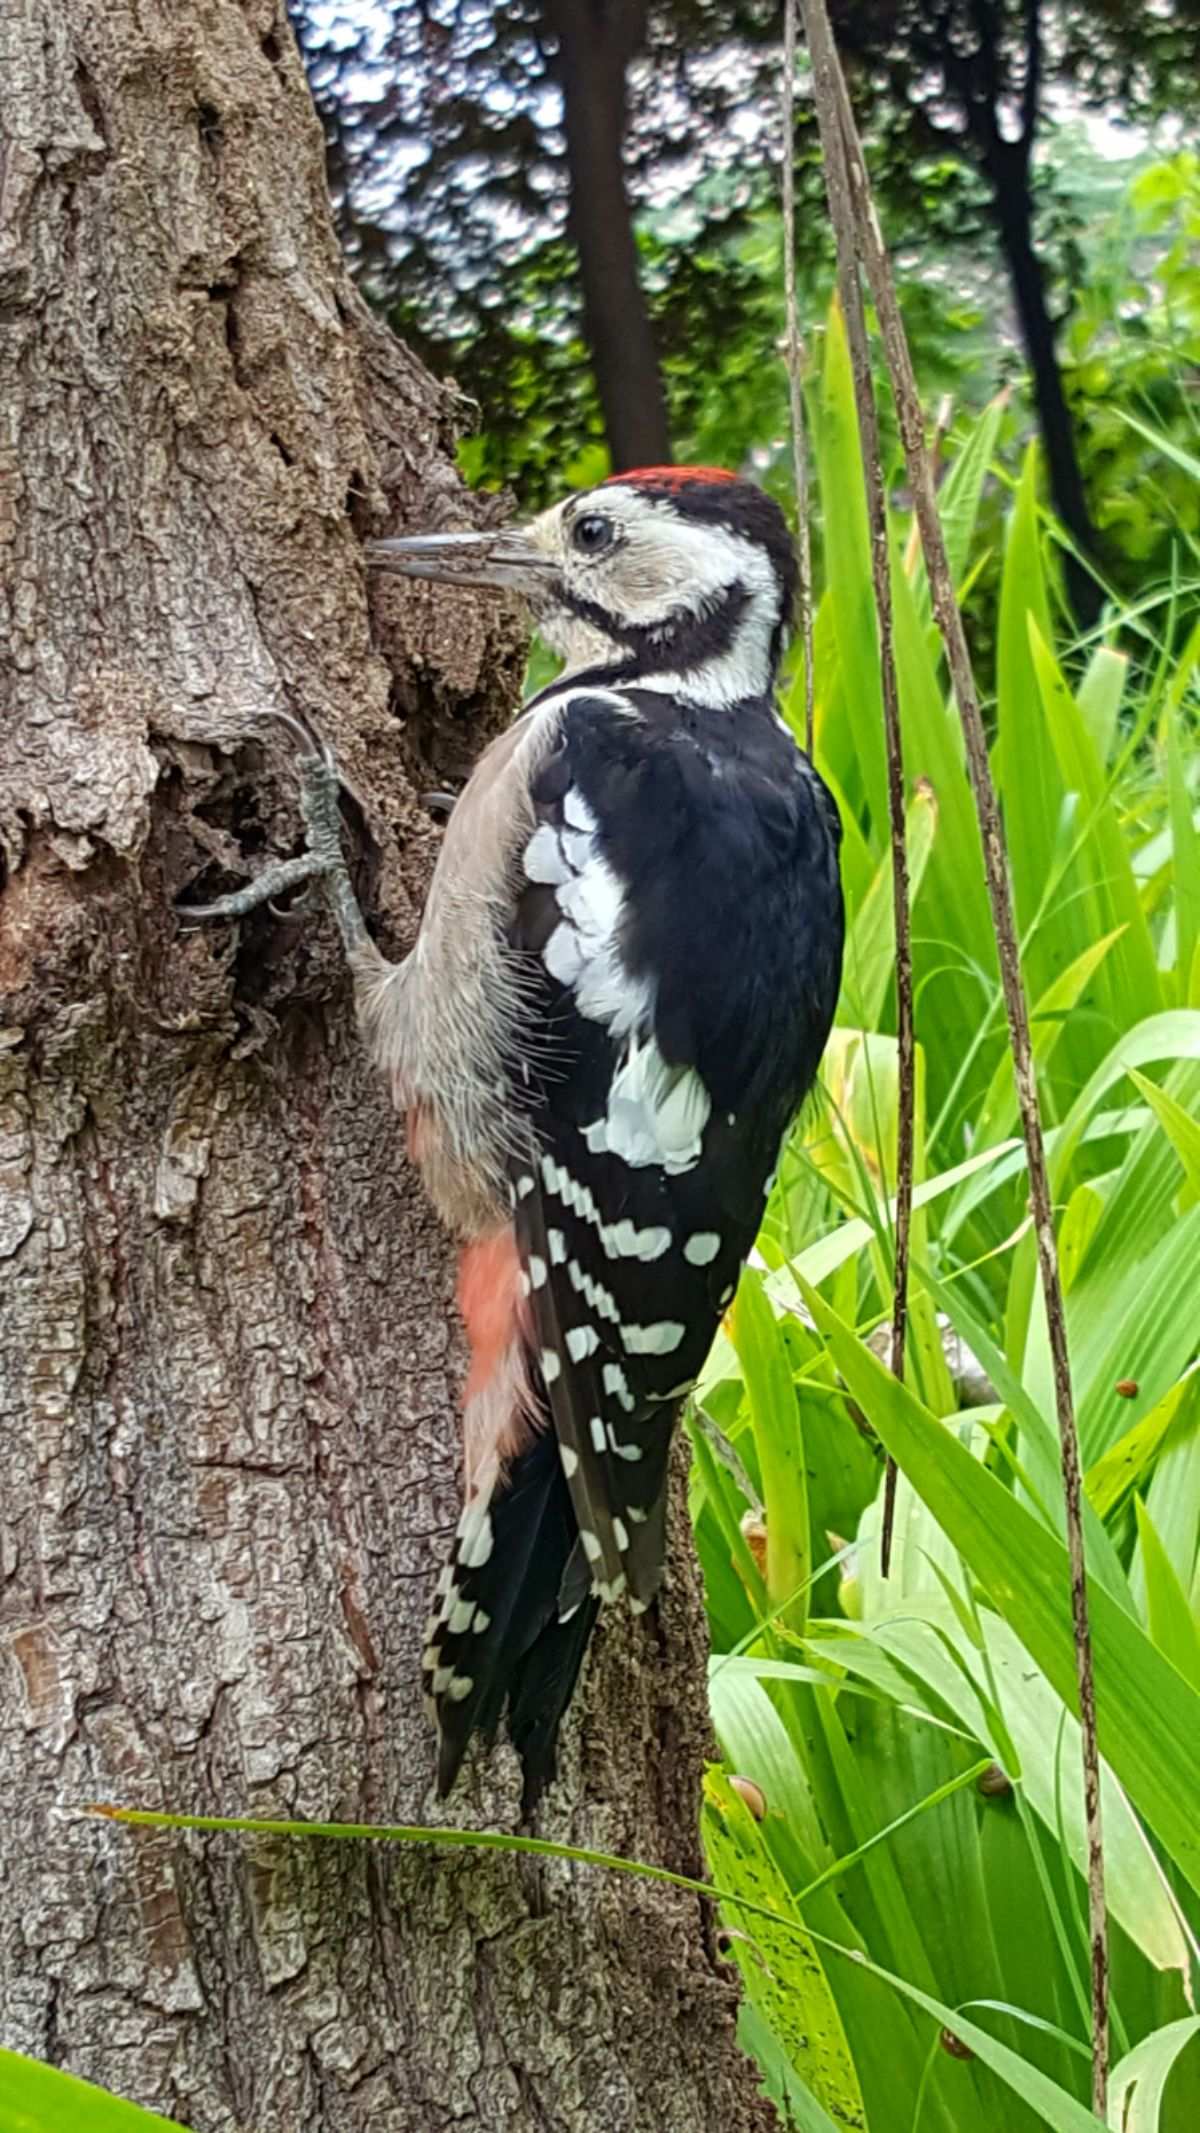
[670,477]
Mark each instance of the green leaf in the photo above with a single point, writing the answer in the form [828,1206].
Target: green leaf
[826,1254]
[1171,1624]
[1185,842]
[952,932]
[1039,1448]
[1132,1333]
[1173,1035]
[925,1644]
[1173,1494]
[1053,2104]
[1126,1461]
[797,2106]
[1100,694]
[775,1416]
[1000,1110]
[41,2099]
[1181,1129]
[1026,766]
[1130,973]
[1148,1717]
[1135,2097]
[958,497]
[1164,444]
[782,1973]
[856,747]
[870,959]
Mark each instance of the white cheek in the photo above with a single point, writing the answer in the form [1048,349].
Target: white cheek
[679,566]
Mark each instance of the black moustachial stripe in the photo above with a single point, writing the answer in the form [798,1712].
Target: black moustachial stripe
[677,926]
[680,643]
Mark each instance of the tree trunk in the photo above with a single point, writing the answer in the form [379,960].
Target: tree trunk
[596,40]
[1013,207]
[228,1359]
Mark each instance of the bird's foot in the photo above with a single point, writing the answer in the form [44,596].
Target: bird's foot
[323,858]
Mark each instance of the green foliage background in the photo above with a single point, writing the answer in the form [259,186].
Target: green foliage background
[858,1705]
[1123,242]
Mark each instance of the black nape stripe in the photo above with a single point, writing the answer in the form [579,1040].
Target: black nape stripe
[742,507]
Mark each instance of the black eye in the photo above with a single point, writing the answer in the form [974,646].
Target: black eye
[593,533]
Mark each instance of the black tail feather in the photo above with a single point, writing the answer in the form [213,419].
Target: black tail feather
[541,1688]
[506,1571]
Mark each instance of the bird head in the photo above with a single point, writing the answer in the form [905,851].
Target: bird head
[670,577]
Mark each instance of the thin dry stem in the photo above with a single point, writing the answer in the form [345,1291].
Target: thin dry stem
[823,59]
[941,430]
[831,84]
[795,361]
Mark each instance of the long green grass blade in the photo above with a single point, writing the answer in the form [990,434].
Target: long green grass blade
[854,746]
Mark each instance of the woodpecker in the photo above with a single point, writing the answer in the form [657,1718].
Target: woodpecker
[617,1001]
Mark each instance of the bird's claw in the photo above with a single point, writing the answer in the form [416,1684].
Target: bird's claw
[320,787]
[311,743]
[272,882]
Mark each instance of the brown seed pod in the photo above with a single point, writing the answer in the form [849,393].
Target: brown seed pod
[753,1795]
[953,2046]
[754,1533]
[993,1783]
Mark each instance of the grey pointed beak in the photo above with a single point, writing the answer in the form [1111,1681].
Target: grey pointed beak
[507,561]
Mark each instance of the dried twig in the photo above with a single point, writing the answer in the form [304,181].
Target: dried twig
[795,359]
[823,59]
[831,85]
[941,430]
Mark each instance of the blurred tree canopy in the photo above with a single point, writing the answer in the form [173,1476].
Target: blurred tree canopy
[567,203]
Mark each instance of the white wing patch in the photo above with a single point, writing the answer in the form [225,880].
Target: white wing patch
[655,1114]
[545,859]
[662,1338]
[623,1240]
[584,950]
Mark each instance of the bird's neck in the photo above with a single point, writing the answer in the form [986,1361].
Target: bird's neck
[718,654]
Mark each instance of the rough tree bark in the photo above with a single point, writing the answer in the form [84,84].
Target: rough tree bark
[596,39]
[228,1362]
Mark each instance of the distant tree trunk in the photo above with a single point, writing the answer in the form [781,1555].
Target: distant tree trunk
[1013,209]
[990,62]
[596,39]
[228,1356]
